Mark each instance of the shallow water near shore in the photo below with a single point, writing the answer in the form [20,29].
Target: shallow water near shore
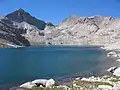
[19,65]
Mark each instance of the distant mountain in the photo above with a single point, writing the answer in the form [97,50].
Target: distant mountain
[20,28]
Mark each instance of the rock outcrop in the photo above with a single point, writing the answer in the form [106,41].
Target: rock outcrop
[28,85]
[117,72]
[38,83]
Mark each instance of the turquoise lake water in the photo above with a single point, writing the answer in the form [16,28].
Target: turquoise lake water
[23,64]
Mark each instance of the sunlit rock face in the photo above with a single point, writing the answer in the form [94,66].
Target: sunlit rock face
[94,30]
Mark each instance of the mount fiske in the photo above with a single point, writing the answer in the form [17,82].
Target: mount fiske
[20,28]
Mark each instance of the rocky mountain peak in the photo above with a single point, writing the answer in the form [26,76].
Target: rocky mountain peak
[49,24]
[21,10]
[72,18]
[21,15]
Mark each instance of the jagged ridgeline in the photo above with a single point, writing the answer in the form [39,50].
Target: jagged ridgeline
[20,28]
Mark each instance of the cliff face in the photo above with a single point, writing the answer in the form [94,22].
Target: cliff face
[20,28]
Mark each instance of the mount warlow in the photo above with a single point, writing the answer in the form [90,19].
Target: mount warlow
[20,28]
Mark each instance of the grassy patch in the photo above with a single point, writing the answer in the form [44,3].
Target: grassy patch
[42,43]
[107,77]
[38,88]
[117,77]
[115,80]
[51,88]
[96,83]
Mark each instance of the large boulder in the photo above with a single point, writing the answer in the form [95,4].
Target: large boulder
[112,53]
[28,85]
[44,82]
[117,72]
[112,69]
[50,82]
[39,82]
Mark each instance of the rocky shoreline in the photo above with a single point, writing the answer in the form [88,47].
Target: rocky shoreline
[91,83]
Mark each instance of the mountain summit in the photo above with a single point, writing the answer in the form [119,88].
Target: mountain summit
[22,16]
[19,15]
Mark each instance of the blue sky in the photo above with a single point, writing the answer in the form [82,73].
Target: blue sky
[57,10]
